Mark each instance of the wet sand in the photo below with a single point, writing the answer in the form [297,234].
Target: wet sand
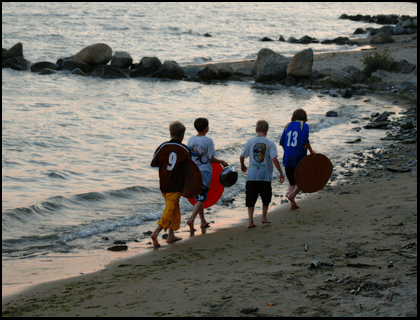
[367,230]
[349,251]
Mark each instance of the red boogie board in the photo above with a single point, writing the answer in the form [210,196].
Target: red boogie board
[313,173]
[215,190]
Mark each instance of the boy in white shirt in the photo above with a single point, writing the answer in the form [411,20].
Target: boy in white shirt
[202,153]
[262,153]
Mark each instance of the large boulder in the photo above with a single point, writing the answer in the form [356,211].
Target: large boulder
[171,70]
[269,66]
[307,39]
[209,73]
[15,51]
[341,79]
[71,65]
[301,65]
[147,66]
[381,38]
[402,66]
[108,72]
[225,72]
[324,82]
[99,53]
[356,73]
[382,117]
[121,59]
[377,125]
[38,66]
[47,71]
[16,63]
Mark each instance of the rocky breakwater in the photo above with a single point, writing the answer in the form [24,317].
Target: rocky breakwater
[93,61]
[269,67]
[394,25]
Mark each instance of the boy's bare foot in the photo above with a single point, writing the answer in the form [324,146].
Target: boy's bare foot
[205,226]
[155,242]
[173,239]
[265,221]
[251,226]
[293,206]
[191,226]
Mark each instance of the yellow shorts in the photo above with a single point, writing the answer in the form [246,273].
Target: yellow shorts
[171,217]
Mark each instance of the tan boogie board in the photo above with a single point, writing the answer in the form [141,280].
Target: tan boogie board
[193,180]
[313,173]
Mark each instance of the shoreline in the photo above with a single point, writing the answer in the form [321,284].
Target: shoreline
[219,273]
[47,293]
[197,278]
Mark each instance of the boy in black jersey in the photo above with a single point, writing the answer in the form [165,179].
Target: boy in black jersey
[171,158]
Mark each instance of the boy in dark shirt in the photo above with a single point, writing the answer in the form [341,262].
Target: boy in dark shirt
[171,158]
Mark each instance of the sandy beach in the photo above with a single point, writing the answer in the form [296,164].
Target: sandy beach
[348,251]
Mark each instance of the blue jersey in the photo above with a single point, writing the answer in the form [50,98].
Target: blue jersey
[294,137]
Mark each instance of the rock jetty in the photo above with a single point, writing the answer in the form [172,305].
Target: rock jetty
[268,67]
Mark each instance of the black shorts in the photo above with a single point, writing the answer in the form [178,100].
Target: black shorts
[255,188]
[290,173]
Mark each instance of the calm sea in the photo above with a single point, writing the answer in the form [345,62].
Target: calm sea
[76,150]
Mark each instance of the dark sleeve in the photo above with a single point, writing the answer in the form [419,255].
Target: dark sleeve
[155,160]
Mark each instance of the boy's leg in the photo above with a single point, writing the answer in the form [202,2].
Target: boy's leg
[204,223]
[264,214]
[171,216]
[251,195]
[155,235]
[266,195]
[198,207]
[171,236]
[251,217]
[292,195]
[293,188]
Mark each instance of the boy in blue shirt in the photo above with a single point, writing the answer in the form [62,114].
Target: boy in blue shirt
[295,142]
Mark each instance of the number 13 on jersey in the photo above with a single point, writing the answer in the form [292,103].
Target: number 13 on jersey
[292,143]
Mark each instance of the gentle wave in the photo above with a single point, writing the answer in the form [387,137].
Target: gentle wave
[102,227]
[53,205]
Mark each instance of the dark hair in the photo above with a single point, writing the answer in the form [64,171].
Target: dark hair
[177,129]
[299,114]
[200,124]
[262,126]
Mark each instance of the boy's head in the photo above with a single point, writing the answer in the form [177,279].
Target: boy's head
[262,126]
[177,130]
[200,124]
[299,115]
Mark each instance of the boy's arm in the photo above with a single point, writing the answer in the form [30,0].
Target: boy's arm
[277,164]
[243,166]
[308,146]
[215,160]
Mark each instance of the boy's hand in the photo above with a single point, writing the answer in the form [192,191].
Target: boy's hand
[244,168]
[281,178]
[224,164]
